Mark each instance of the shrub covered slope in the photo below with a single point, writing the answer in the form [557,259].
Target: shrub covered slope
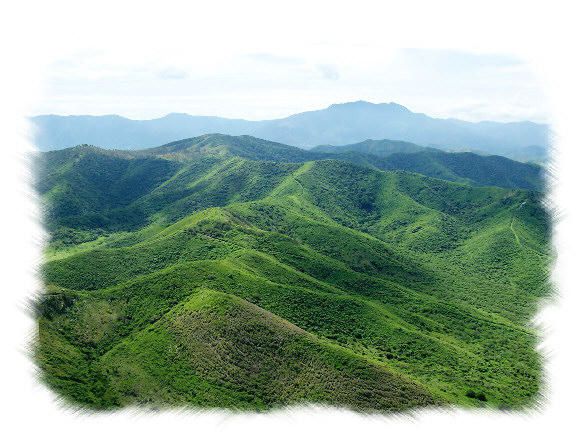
[234,272]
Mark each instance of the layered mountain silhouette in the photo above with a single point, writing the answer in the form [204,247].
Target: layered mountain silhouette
[235,272]
[336,125]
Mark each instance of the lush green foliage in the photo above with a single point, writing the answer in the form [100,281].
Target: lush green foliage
[468,168]
[380,148]
[251,283]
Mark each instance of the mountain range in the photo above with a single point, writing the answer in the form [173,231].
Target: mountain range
[235,272]
[338,124]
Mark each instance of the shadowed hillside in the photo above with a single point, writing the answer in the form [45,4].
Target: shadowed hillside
[90,188]
[234,272]
[468,168]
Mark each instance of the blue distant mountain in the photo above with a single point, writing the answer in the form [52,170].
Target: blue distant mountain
[336,125]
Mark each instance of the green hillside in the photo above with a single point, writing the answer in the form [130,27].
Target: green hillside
[225,145]
[232,272]
[381,148]
[466,167]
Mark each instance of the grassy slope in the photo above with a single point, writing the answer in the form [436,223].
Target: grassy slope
[430,279]
[90,190]
[218,350]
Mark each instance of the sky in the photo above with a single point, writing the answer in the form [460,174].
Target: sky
[258,84]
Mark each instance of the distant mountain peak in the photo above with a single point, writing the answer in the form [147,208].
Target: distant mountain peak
[339,124]
[397,107]
[176,114]
[361,104]
[352,104]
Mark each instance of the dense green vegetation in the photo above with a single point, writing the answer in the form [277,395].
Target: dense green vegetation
[232,272]
[381,148]
[467,167]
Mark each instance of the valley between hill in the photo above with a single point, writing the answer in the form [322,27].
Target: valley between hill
[240,273]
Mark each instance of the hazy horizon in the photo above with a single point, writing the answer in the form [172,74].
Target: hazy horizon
[159,116]
[264,86]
